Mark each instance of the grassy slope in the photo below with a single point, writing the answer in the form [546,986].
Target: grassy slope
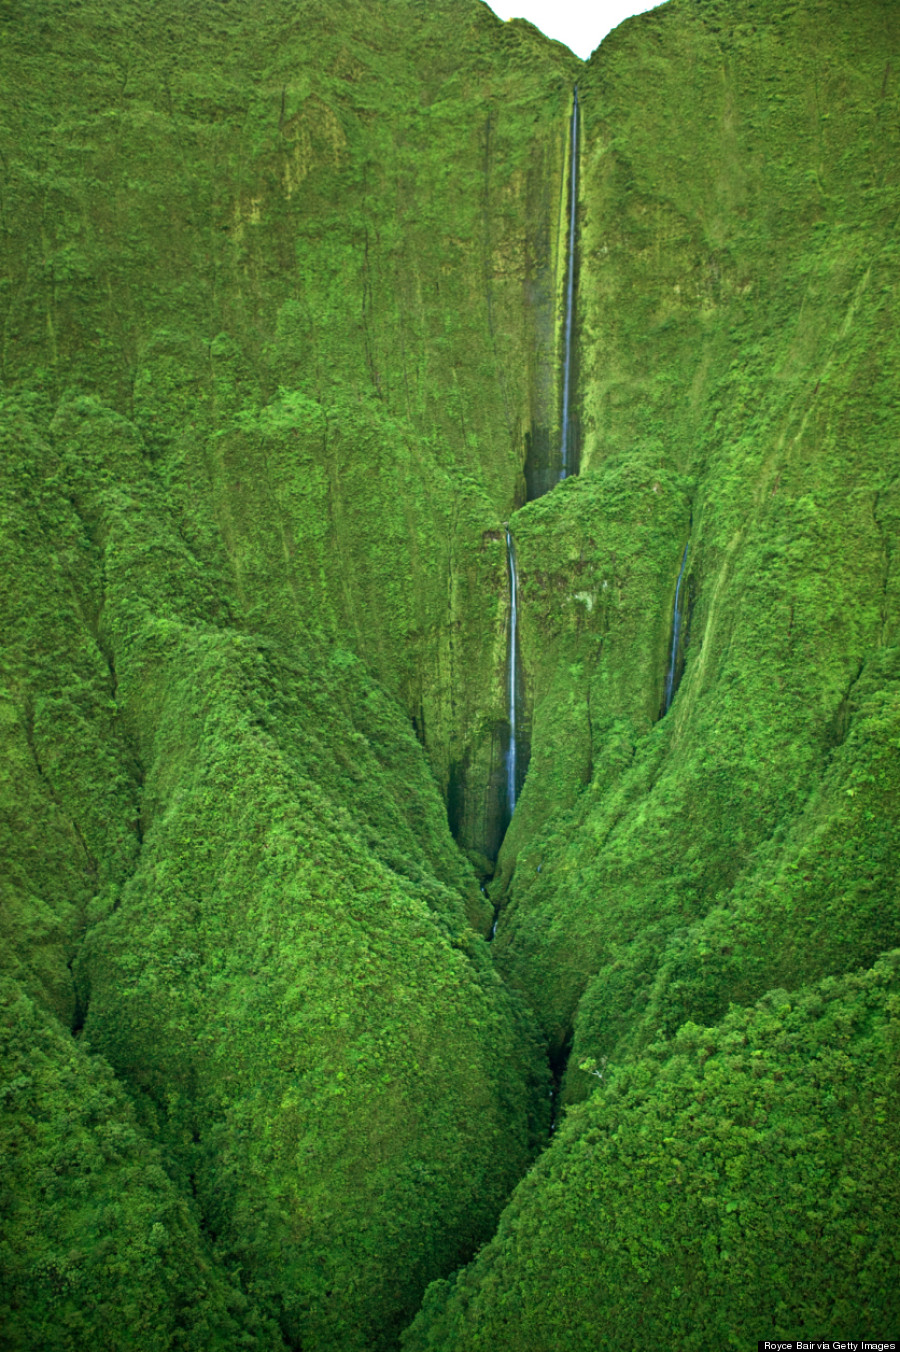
[268,376]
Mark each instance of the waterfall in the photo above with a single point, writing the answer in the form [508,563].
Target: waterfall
[511,667]
[570,286]
[676,634]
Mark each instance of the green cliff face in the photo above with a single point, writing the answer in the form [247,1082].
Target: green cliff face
[739,369]
[277,299]
[282,296]
[739,360]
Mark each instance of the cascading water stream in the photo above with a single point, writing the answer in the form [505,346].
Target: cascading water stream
[539,477]
[570,288]
[676,634]
[512,749]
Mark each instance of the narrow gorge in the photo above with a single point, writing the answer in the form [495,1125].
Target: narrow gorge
[450,678]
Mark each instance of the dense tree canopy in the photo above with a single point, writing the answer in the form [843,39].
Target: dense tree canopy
[286,1010]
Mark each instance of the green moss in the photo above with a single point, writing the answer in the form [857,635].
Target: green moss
[268,390]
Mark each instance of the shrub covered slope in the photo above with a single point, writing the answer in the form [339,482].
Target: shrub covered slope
[281,296]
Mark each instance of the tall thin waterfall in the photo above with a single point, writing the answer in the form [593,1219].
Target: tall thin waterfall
[511,668]
[570,287]
[676,634]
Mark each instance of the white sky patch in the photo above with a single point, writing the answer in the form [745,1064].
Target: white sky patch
[580,24]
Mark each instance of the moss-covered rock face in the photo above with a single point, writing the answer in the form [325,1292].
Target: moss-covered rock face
[738,369]
[282,296]
[315,260]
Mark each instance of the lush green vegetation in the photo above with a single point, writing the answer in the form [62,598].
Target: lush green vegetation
[734,1178]
[280,292]
[739,359]
[98,1241]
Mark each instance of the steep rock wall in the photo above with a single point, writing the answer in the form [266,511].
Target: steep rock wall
[244,231]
